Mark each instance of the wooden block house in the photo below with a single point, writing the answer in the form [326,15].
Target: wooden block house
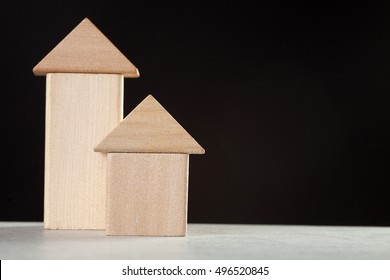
[84,101]
[147,178]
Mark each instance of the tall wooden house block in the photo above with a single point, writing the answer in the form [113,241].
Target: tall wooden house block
[147,181]
[84,101]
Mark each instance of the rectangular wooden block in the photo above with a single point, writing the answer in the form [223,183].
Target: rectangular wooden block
[147,194]
[81,109]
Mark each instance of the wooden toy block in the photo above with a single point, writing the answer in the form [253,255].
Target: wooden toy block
[86,50]
[84,101]
[149,128]
[80,109]
[147,180]
[147,194]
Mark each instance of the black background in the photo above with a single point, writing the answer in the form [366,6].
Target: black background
[290,101]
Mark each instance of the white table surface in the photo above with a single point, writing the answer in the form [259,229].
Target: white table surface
[25,240]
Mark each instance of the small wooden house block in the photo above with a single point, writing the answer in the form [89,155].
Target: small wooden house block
[84,101]
[147,178]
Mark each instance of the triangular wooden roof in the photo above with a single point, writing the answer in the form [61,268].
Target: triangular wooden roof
[149,128]
[86,50]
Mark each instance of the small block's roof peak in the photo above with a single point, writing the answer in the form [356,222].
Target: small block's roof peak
[86,50]
[149,128]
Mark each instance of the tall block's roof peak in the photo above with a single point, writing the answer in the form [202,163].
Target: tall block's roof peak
[86,50]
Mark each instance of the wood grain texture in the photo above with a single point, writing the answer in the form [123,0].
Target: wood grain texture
[80,110]
[149,128]
[147,194]
[86,50]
